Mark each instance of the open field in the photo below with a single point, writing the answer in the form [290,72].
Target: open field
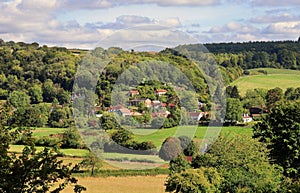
[282,78]
[42,132]
[158,136]
[131,184]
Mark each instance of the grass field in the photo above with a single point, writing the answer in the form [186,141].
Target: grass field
[158,136]
[282,78]
[42,132]
[131,184]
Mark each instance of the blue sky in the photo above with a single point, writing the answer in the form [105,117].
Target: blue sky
[90,23]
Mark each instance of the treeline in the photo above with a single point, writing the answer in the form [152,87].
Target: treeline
[279,54]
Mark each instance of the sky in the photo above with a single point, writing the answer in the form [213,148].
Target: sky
[131,23]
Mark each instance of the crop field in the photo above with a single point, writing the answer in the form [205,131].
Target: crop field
[131,184]
[282,78]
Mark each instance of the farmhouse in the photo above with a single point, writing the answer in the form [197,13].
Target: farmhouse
[133,93]
[196,116]
[160,92]
[247,118]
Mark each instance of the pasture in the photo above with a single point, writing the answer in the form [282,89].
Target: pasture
[282,78]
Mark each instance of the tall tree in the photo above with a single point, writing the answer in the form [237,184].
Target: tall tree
[281,131]
[234,110]
[274,95]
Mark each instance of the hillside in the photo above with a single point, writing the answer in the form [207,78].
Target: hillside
[282,78]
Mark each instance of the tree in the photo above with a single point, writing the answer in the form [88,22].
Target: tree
[108,121]
[71,139]
[281,131]
[253,99]
[121,137]
[19,100]
[92,161]
[188,146]
[170,149]
[32,171]
[273,95]
[234,110]
[232,164]
[234,93]
[36,94]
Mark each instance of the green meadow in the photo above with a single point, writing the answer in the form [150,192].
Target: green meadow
[282,78]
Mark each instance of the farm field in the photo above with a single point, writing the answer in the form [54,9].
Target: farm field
[131,184]
[282,78]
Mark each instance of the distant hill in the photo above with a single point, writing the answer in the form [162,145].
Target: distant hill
[279,54]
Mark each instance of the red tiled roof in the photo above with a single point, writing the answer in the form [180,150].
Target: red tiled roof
[161,90]
[134,92]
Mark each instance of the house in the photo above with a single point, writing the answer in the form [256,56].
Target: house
[160,92]
[133,93]
[163,113]
[156,104]
[120,109]
[196,116]
[171,105]
[135,114]
[247,118]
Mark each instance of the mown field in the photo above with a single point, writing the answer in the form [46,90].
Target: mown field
[282,78]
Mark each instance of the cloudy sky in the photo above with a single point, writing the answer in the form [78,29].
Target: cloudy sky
[90,23]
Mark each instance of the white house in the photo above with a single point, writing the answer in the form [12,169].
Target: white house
[247,118]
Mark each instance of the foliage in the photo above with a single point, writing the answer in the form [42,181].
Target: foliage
[170,149]
[281,131]
[200,180]
[273,96]
[188,146]
[71,139]
[93,162]
[108,122]
[232,164]
[32,171]
[234,110]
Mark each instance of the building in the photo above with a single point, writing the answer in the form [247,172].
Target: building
[160,92]
[196,116]
[247,118]
[133,93]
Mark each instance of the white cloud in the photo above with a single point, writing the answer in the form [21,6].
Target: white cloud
[287,28]
[102,4]
[283,17]
[233,27]
[275,2]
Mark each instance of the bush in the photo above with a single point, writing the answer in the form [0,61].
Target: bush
[170,149]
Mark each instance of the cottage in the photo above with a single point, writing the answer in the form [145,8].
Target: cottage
[133,93]
[163,113]
[247,118]
[120,109]
[160,92]
[196,116]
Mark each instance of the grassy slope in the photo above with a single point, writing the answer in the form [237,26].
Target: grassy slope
[282,78]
